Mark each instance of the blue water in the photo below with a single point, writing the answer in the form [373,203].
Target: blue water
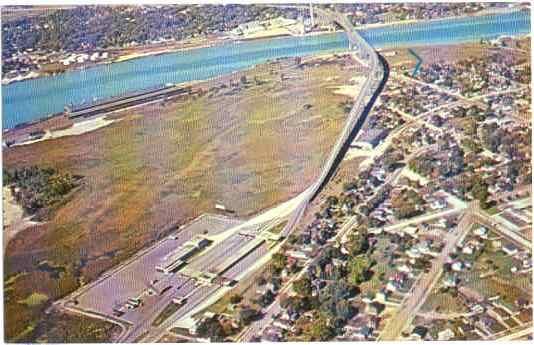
[33,99]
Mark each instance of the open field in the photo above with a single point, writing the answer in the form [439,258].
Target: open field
[249,146]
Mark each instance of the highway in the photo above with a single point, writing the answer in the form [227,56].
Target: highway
[363,104]
[372,87]
[528,331]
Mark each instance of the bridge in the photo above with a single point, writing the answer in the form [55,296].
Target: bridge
[363,103]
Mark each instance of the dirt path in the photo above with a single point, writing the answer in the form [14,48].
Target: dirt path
[12,216]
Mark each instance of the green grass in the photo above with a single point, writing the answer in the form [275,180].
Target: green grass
[444,302]
[492,210]
[502,283]
[34,299]
[170,309]
[278,228]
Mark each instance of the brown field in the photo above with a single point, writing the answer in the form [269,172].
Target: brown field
[248,147]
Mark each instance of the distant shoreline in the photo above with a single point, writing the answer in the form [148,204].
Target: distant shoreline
[146,51]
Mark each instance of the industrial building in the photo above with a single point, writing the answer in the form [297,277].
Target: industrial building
[178,257]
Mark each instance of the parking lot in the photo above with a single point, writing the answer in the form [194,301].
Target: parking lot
[138,276]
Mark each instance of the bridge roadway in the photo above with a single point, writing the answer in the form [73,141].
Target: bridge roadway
[372,87]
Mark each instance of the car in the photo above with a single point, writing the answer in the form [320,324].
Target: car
[230,282]
[179,300]
[134,301]
[165,289]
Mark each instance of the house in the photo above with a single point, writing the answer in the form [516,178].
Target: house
[374,308]
[450,280]
[457,266]
[392,286]
[271,335]
[382,295]
[465,328]
[404,268]
[468,250]
[369,297]
[283,324]
[522,303]
[509,249]
[447,334]
[413,253]
[356,323]
[485,323]
[365,332]
[438,204]
[482,232]
[419,332]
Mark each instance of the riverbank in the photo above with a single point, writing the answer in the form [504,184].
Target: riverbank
[118,55]
[77,128]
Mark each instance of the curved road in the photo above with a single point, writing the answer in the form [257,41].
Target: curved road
[376,80]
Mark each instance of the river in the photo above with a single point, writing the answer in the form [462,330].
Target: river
[36,98]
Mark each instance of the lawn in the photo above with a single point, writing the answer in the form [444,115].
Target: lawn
[444,303]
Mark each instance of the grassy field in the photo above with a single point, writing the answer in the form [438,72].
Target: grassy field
[170,309]
[247,146]
[444,303]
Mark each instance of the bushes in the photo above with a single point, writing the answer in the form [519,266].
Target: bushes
[37,189]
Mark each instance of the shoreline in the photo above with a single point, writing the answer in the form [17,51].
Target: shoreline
[48,117]
[208,43]
[97,122]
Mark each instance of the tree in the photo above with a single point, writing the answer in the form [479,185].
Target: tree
[358,270]
[235,298]
[358,242]
[332,200]
[211,328]
[247,315]
[344,310]
[303,287]
[279,261]
[266,299]
[349,186]
[319,329]
[480,192]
